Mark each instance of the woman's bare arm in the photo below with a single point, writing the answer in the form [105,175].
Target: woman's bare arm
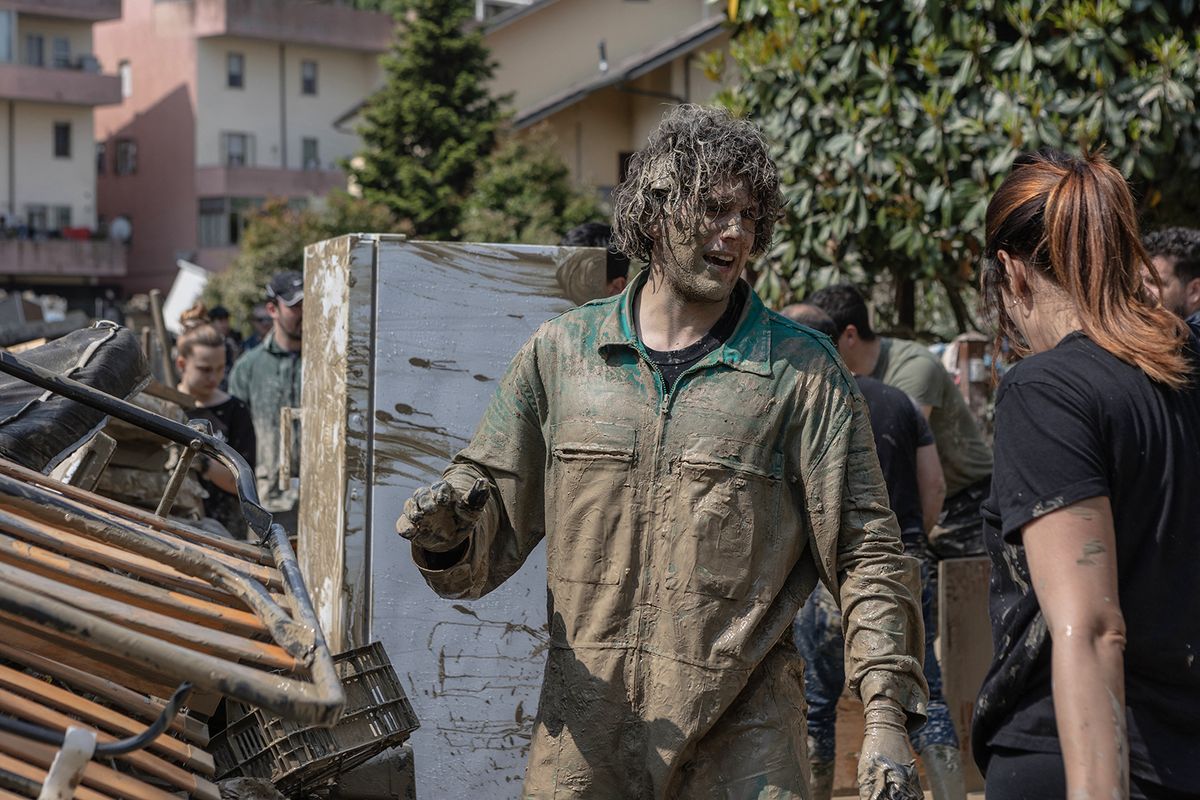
[931,485]
[1073,565]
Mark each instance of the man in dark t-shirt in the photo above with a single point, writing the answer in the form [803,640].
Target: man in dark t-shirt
[911,368]
[916,488]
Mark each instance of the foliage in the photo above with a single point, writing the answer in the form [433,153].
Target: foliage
[274,240]
[524,194]
[426,130]
[893,121]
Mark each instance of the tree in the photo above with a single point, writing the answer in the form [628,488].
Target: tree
[893,121]
[274,240]
[523,194]
[433,121]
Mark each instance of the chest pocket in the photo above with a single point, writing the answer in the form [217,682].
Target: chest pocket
[591,538]
[726,518]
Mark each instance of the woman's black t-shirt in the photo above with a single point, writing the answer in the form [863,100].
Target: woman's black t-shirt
[231,421]
[1073,423]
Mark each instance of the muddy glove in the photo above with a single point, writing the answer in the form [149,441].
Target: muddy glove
[886,768]
[437,518]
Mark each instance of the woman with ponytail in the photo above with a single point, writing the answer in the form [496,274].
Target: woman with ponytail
[200,359]
[1092,518]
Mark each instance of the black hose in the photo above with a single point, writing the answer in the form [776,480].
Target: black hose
[118,748]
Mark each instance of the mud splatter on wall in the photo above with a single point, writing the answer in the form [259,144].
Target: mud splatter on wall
[432,329]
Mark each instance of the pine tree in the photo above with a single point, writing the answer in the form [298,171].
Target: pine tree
[523,194]
[430,125]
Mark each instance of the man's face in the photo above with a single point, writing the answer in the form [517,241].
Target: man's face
[703,261]
[289,320]
[1174,291]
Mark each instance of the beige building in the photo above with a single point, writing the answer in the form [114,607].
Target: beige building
[50,86]
[600,73]
[226,103]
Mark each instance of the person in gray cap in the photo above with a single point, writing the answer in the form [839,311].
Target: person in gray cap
[267,379]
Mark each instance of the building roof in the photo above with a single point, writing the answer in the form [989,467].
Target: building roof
[503,19]
[630,69]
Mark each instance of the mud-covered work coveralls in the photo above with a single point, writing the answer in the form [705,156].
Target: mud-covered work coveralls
[684,532]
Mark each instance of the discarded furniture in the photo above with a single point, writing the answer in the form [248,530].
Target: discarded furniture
[121,607]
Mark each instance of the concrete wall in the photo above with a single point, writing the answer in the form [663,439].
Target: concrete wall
[160,116]
[33,175]
[343,79]
[547,50]
[592,134]
[253,109]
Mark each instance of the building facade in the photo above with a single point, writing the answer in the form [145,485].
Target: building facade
[51,84]
[225,104]
[601,73]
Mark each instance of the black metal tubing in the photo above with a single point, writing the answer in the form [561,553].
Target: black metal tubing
[107,750]
[19,784]
[257,517]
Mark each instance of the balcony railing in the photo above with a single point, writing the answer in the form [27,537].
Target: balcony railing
[70,86]
[266,181]
[63,257]
[91,10]
[322,24]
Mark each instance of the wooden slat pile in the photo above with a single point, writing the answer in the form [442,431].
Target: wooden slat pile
[105,608]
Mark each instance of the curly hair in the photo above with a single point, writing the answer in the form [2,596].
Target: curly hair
[1181,245]
[691,151]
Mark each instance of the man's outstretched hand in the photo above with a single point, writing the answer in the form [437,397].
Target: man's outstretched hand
[438,518]
[886,769]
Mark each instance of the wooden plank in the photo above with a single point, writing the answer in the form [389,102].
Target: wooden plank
[185,634]
[137,593]
[33,712]
[966,645]
[95,775]
[40,532]
[142,706]
[244,550]
[118,724]
[25,770]
[268,576]
[17,632]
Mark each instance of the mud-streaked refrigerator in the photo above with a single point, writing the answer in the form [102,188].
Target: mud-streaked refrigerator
[404,344]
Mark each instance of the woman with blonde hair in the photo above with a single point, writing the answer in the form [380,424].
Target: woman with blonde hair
[1092,518]
[200,359]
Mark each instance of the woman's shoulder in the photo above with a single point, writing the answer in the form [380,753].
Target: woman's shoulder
[231,405]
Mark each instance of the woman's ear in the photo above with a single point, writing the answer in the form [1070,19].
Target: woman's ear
[1018,277]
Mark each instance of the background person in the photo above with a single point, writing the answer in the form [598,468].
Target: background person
[260,325]
[200,361]
[1175,260]
[599,234]
[910,367]
[267,379]
[218,317]
[916,488]
[694,462]
[1092,692]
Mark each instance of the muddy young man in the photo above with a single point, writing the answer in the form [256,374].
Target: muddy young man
[696,464]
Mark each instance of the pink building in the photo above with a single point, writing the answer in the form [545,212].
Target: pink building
[225,103]
[50,85]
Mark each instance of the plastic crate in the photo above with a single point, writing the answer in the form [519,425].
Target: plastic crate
[377,716]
